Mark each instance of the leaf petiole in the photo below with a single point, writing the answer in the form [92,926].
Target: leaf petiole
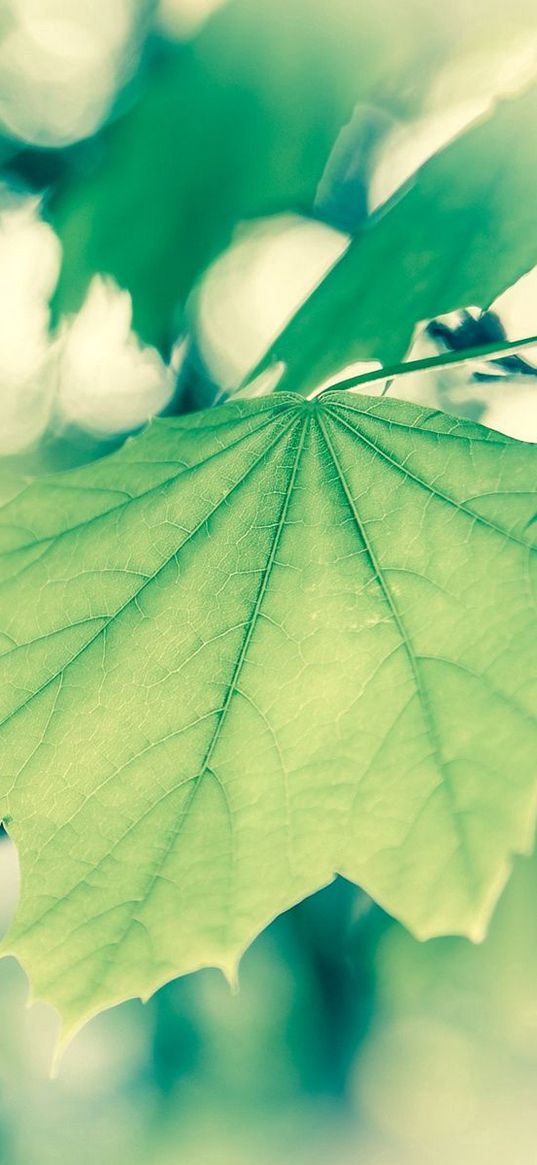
[492,351]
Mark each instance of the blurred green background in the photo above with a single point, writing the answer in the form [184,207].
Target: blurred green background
[175,177]
[347,1042]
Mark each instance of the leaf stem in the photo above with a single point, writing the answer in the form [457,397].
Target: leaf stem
[492,351]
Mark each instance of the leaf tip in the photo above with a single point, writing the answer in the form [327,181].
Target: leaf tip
[230,971]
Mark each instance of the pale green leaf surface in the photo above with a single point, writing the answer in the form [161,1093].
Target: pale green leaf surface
[461,235]
[257,646]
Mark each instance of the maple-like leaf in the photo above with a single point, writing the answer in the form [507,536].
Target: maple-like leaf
[257,646]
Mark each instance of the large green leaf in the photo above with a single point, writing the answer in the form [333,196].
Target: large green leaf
[259,645]
[460,236]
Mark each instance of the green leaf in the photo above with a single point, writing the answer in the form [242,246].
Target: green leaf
[238,124]
[259,645]
[460,236]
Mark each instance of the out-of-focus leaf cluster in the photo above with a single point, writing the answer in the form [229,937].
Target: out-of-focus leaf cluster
[146,138]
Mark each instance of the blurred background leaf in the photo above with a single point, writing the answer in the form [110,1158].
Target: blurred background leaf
[453,241]
[237,124]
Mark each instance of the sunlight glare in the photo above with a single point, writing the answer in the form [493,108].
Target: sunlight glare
[29,268]
[108,381]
